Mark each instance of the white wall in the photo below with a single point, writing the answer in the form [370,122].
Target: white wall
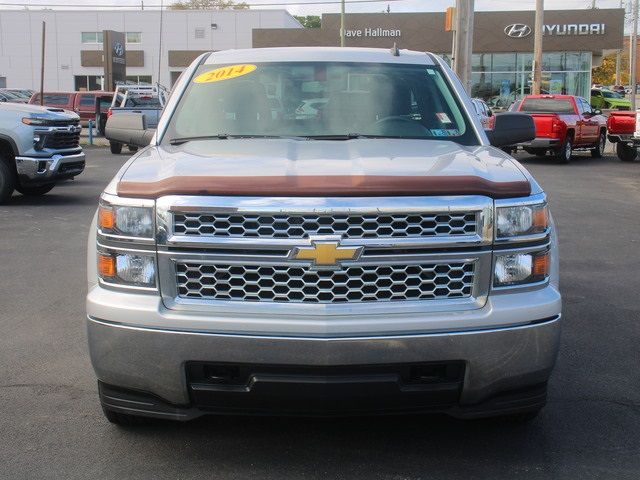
[20,39]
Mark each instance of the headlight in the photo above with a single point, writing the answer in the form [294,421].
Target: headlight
[124,220]
[521,268]
[127,269]
[521,220]
[35,121]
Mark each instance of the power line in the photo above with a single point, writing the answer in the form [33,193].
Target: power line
[160,6]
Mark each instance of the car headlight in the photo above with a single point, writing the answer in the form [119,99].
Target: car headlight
[128,269]
[125,220]
[36,121]
[521,220]
[521,268]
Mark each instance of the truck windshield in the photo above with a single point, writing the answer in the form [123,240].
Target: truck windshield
[323,100]
[547,105]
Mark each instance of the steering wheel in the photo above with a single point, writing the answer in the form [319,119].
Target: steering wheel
[398,119]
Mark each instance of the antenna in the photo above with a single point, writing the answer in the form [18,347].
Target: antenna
[394,50]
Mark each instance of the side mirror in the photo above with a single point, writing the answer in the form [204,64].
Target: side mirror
[511,128]
[129,128]
[489,113]
[597,111]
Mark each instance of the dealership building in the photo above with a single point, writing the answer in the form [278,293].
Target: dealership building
[574,42]
[74,49]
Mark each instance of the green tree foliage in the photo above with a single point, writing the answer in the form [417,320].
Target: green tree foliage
[309,21]
[209,5]
[605,74]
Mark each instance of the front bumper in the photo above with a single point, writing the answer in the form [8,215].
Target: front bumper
[40,170]
[143,371]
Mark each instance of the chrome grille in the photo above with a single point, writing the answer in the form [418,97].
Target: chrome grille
[295,284]
[303,226]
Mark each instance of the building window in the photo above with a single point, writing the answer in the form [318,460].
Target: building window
[84,83]
[91,37]
[134,37]
[139,79]
[3,82]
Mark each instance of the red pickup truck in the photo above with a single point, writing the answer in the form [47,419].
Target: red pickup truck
[564,123]
[622,128]
[82,103]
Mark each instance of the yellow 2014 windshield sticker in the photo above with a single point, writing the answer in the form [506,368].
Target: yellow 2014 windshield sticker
[225,73]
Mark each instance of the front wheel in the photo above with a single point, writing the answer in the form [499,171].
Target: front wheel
[625,152]
[35,191]
[115,147]
[7,181]
[598,150]
[563,154]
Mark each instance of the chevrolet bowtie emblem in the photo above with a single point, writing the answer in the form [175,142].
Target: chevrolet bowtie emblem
[326,253]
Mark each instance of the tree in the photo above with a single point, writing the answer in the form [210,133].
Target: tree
[605,74]
[309,21]
[209,5]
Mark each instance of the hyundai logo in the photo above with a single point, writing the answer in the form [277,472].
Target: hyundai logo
[518,30]
[118,49]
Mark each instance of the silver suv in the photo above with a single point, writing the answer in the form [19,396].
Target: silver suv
[378,256]
[39,146]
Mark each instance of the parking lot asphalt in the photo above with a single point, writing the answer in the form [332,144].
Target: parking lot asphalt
[51,425]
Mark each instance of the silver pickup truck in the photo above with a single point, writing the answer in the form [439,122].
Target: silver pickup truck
[379,256]
[39,146]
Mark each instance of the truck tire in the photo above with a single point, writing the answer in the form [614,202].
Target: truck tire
[35,191]
[7,182]
[598,150]
[123,419]
[115,147]
[563,154]
[625,152]
[132,148]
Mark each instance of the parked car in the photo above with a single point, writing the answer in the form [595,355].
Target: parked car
[7,96]
[38,148]
[622,129]
[619,89]
[383,257]
[564,123]
[606,99]
[19,92]
[485,114]
[147,100]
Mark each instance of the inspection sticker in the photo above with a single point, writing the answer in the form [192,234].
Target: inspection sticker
[225,73]
[443,117]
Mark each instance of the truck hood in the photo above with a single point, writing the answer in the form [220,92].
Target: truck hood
[38,111]
[287,167]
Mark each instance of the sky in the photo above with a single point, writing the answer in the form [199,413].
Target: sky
[396,6]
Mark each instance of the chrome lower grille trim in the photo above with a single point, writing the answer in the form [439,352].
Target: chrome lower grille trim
[298,284]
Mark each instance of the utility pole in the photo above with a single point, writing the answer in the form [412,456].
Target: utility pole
[633,52]
[463,46]
[537,48]
[342,23]
[44,30]
[618,62]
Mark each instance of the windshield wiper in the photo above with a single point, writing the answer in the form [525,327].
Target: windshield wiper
[348,136]
[220,136]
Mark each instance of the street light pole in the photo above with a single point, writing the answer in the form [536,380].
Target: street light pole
[537,48]
[463,44]
[342,23]
[632,54]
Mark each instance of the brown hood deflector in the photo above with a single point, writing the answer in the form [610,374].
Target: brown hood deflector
[325,186]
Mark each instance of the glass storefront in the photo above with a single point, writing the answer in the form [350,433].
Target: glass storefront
[501,78]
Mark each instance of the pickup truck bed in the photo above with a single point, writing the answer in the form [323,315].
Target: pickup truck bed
[622,128]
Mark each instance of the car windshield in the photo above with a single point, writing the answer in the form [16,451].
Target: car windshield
[547,105]
[320,100]
[607,94]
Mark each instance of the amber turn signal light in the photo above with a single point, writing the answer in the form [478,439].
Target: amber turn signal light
[106,218]
[541,264]
[541,218]
[106,265]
